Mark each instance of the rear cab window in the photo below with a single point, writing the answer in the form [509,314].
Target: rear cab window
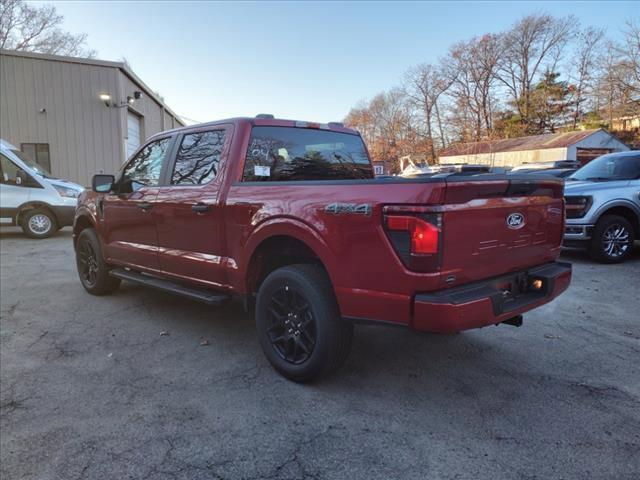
[302,154]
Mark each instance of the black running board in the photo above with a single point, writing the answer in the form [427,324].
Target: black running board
[202,295]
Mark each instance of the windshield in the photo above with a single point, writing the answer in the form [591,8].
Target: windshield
[610,167]
[33,166]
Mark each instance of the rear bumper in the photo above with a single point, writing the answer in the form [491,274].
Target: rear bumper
[491,301]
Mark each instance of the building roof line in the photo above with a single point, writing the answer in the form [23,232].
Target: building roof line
[98,63]
[517,144]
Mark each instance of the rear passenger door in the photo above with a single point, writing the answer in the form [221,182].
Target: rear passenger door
[189,212]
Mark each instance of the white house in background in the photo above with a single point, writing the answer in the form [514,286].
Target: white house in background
[583,145]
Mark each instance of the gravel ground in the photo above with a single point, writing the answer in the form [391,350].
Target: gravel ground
[122,387]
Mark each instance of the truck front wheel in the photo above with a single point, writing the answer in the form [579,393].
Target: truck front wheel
[299,324]
[92,269]
[612,239]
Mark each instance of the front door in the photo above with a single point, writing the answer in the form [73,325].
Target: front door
[15,190]
[188,215]
[128,212]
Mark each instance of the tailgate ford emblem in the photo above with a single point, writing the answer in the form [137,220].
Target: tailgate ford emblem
[515,221]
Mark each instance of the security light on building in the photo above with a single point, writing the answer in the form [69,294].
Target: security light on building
[97,113]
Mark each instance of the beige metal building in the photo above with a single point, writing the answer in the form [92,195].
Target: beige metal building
[584,146]
[77,116]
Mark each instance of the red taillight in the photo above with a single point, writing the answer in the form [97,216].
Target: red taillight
[424,236]
[414,232]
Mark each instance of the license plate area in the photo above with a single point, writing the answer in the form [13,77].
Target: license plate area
[517,291]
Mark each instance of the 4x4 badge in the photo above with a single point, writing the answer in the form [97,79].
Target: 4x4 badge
[515,221]
[349,208]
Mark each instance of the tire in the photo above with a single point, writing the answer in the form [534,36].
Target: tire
[299,324]
[612,239]
[92,269]
[39,223]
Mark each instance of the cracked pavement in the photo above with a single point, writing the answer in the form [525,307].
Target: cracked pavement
[90,389]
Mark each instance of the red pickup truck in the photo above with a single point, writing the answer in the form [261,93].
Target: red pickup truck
[289,216]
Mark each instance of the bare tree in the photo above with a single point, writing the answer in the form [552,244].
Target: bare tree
[392,118]
[37,29]
[607,90]
[389,126]
[473,66]
[506,85]
[424,85]
[533,45]
[585,61]
[628,71]
[618,90]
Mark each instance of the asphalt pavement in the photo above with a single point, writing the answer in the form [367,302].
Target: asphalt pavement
[145,385]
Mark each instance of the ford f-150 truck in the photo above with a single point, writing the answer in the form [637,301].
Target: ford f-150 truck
[603,206]
[289,216]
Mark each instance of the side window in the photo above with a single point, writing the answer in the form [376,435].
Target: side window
[143,170]
[9,172]
[198,158]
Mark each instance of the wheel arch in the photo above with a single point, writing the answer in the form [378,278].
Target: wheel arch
[82,221]
[280,244]
[624,210]
[31,205]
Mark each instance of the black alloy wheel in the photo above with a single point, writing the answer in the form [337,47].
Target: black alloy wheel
[292,331]
[299,325]
[92,269]
[87,262]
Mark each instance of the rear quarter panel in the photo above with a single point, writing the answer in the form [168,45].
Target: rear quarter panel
[368,278]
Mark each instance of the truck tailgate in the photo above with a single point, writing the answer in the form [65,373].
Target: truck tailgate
[499,226]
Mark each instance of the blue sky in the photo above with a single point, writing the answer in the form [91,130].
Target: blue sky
[299,60]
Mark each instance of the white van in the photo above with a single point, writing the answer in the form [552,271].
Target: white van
[31,198]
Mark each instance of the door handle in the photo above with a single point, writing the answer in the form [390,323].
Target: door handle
[201,208]
[146,206]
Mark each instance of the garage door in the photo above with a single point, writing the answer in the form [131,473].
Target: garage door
[133,133]
[585,155]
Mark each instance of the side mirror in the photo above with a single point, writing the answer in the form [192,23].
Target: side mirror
[102,183]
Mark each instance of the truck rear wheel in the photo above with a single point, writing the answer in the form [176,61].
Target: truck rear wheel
[299,324]
[612,239]
[92,269]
